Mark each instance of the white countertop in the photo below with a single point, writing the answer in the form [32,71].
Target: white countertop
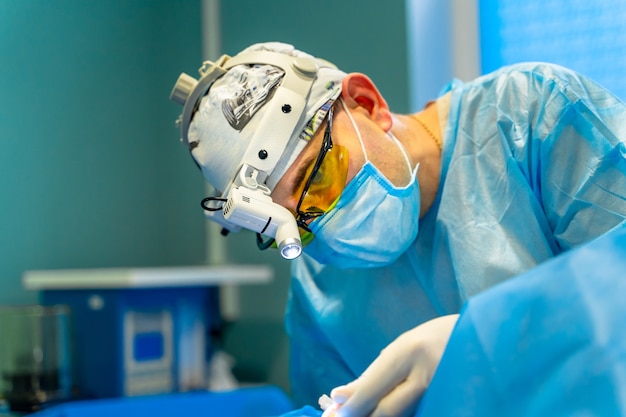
[110,278]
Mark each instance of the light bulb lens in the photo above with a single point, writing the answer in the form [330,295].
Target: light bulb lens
[290,248]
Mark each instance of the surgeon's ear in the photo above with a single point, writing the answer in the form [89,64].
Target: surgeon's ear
[357,90]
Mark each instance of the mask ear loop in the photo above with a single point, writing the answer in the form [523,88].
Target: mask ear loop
[404,152]
[391,135]
[356,128]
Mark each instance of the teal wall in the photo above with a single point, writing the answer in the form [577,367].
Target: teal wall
[91,171]
[357,35]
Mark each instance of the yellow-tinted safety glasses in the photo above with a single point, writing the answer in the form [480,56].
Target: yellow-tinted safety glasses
[326,179]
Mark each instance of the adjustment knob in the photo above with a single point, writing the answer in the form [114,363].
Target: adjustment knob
[305,66]
[183,88]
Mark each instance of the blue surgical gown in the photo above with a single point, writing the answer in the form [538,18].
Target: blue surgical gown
[534,163]
[549,342]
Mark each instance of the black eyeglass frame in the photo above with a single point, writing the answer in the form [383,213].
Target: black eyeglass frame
[327,144]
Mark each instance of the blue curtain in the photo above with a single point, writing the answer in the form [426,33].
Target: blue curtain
[586,36]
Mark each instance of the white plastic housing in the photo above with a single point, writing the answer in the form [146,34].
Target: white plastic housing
[254,210]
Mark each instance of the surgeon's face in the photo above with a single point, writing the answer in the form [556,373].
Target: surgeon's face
[317,177]
[331,159]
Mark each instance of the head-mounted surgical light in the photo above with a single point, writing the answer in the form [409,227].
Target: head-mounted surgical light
[247,201]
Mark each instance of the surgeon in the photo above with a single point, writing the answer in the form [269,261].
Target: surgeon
[404,217]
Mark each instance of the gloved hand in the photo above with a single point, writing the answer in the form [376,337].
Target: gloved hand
[394,383]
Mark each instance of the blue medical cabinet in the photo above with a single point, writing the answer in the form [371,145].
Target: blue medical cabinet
[140,331]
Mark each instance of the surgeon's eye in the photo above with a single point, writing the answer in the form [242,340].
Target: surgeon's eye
[318,178]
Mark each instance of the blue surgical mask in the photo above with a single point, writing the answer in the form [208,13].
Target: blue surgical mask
[373,222]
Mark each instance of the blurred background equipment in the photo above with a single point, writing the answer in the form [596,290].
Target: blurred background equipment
[142,331]
[35,362]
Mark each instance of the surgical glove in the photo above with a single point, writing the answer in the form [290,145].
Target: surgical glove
[394,383]
[328,405]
